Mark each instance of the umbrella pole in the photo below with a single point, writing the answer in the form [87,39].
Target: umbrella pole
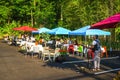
[85,40]
[87,53]
[110,46]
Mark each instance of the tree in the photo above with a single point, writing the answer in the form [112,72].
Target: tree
[71,14]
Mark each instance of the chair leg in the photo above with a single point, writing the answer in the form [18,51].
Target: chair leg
[25,54]
[39,55]
[50,58]
[54,57]
[32,55]
[106,54]
[101,55]
[81,55]
[43,57]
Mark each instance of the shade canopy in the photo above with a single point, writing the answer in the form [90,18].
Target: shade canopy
[41,30]
[97,32]
[110,22]
[80,31]
[86,31]
[60,31]
[25,28]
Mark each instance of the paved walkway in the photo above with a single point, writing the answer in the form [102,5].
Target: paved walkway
[14,66]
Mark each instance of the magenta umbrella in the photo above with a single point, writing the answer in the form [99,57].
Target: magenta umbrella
[110,22]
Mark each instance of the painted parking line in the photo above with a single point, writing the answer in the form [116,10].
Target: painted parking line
[81,61]
[107,71]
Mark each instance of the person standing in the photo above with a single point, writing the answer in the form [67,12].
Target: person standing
[54,44]
[97,50]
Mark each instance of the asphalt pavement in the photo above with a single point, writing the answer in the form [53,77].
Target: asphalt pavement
[14,66]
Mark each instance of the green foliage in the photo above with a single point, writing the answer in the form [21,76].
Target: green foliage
[8,29]
[45,36]
[71,14]
[117,31]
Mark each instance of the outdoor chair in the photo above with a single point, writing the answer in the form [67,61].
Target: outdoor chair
[90,54]
[36,50]
[85,51]
[104,51]
[54,54]
[45,54]
[71,49]
[50,54]
[23,49]
[28,50]
[80,50]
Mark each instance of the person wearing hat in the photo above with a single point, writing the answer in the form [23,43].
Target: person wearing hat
[96,49]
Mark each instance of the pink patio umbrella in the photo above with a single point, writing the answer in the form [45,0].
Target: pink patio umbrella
[25,28]
[110,22]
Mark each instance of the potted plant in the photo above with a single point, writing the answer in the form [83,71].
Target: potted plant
[63,55]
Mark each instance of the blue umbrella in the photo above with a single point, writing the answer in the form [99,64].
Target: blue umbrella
[80,31]
[41,30]
[86,31]
[97,32]
[59,30]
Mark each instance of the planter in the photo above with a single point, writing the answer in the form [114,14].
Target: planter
[61,58]
[63,52]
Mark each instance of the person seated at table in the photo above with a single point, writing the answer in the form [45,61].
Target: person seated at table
[69,41]
[71,49]
[26,37]
[53,46]
[58,44]
[90,53]
[23,37]
[14,40]
[65,41]
[29,39]
[33,39]
[85,51]
[35,49]
[62,41]
[41,41]
[76,42]
[76,50]
[80,50]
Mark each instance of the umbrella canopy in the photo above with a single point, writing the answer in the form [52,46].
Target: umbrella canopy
[59,30]
[86,31]
[80,31]
[41,30]
[97,32]
[107,23]
[25,28]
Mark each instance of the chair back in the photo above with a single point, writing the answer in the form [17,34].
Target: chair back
[45,49]
[71,46]
[36,49]
[57,50]
[80,48]
[104,51]
[75,47]
[105,48]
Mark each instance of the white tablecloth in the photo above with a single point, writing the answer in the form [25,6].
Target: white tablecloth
[37,46]
[31,45]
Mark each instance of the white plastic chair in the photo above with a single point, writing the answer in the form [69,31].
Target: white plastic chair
[36,50]
[50,54]
[54,54]
[45,54]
